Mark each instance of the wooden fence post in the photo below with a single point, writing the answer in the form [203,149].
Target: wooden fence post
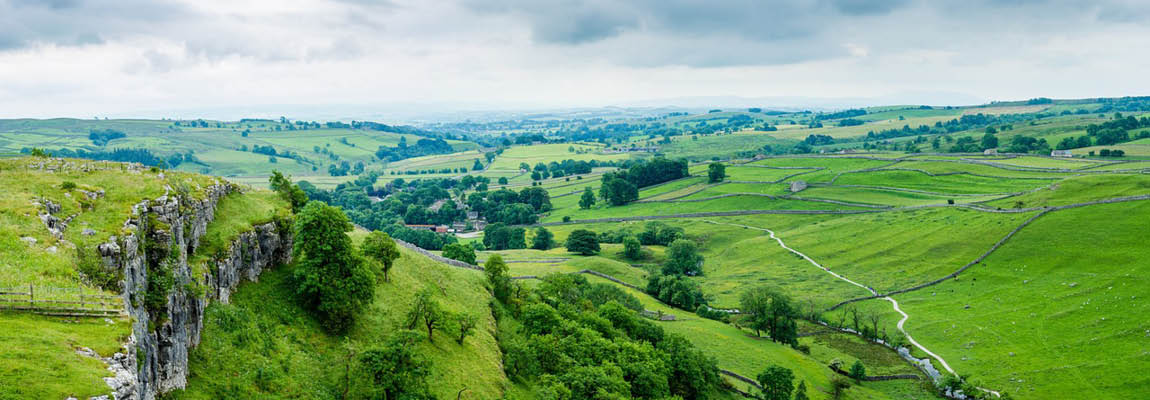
[31,296]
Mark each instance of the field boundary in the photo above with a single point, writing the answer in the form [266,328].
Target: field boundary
[60,301]
[993,248]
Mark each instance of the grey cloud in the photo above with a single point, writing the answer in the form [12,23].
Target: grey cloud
[867,7]
[76,22]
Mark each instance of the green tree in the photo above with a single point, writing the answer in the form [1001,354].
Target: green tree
[683,258]
[379,247]
[496,271]
[777,382]
[543,240]
[801,391]
[465,323]
[460,252]
[583,241]
[588,199]
[477,166]
[989,141]
[288,191]
[425,309]
[631,248]
[769,310]
[503,180]
[330,279]
[396,370]
[716,172]
[858,371]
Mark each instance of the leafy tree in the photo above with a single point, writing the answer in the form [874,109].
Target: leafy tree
[631,248]
[288,191]
[425,308]
[544,239]
[396,371]
[496,271]
[537,198]
[716,172]
[460,252]
[498,236]
[858,371]
[677,290]
[466,324]
[330,278]
[683,258]
[477,166]
[503,180]
[378,246]
[618,191]
[588,199]
[769,310]
[658,233]
[583,241]
[777,382]
[989,141]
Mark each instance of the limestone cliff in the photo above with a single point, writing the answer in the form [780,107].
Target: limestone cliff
[165,296]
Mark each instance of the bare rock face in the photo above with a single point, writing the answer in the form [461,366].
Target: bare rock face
[164,233]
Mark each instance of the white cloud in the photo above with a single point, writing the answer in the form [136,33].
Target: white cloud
[84,58]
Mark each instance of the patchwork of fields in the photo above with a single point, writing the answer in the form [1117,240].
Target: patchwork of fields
[1046,314]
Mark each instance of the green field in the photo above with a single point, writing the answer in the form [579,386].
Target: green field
[1057,310]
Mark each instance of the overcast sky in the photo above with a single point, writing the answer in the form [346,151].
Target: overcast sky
[87,58]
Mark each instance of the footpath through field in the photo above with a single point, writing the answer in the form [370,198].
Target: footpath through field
[894,303]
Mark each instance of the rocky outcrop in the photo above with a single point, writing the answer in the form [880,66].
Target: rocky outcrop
[161,291]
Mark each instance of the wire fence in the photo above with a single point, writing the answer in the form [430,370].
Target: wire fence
[60,301]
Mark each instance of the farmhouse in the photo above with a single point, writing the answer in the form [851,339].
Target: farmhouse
[1061,153]
[990,152]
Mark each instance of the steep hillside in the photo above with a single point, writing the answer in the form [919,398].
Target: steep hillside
[264,345]
[98,273]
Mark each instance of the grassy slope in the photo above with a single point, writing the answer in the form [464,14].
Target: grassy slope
[265,338]
[957,184]
[38,356]
[1065,296]
[37,353]
[1081,189]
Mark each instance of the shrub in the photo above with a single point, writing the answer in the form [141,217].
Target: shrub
[858,371]
[68,185]
[459,252]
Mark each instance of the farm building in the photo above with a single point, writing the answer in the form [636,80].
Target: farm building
[798,186]
[1061,153]
[990,152]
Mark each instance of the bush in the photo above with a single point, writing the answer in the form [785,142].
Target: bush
[68,185]
[858,371]
[460,252]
